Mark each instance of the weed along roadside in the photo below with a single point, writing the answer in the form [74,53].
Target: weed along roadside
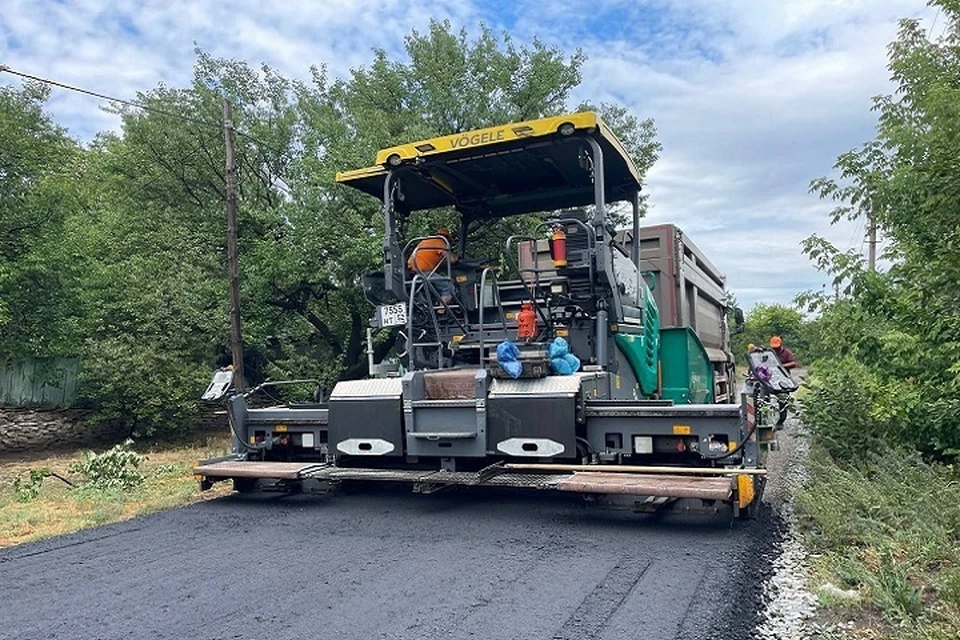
[883,538]
[72,491]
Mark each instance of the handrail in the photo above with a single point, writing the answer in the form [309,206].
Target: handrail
[503,316]
[418,278]
[278,383]
[428,276]
[534,271]
[429,291]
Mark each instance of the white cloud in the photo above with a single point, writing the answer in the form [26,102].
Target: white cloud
[120,50]
[746,130]
[752,99]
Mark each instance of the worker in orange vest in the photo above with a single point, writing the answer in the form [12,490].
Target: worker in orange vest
[428,257]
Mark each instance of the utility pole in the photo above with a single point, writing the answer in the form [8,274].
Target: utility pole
[871,242]
[233,270]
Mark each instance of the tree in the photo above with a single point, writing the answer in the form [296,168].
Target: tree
[903,325]
[766,320]
[153,241]
[38,163]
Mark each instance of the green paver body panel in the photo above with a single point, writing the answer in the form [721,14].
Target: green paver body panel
[687,375]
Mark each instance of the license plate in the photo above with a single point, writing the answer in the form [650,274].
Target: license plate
[392,315]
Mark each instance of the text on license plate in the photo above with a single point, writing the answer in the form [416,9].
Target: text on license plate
[393,314]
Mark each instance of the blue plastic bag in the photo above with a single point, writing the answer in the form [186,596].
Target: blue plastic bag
[562,361]
[558,348]
[507,353]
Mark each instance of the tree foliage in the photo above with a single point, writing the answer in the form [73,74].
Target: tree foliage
[116,252]
[764,321]
[38,166]
[896,334]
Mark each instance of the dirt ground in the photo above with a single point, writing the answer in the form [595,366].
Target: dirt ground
[58,509]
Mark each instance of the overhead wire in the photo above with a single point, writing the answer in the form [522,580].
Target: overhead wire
[278,184]
[858,231]
[103,96]
[934,23]
[137,105]
[946,25]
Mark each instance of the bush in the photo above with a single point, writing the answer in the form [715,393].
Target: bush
[766,320]
[117,468]
[29,490]
[854,410]
[141,387]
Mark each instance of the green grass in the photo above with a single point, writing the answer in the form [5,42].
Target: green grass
[59,509]
[889,528]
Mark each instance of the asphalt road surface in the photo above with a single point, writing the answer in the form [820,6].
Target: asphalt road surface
[372,565]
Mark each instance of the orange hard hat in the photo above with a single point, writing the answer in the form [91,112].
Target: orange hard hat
[776,342]
[443,231]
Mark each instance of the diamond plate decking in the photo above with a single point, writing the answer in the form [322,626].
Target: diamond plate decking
[461,478]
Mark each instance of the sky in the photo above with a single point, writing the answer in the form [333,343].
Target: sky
[752,100]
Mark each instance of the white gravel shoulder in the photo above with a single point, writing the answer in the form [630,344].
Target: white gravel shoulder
[789,606]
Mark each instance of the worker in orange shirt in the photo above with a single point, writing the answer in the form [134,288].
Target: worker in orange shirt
[789,361]
[428,257]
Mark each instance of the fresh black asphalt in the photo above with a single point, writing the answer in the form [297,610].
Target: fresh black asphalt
[391,565]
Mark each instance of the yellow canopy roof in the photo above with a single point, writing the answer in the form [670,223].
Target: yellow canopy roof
[521,167]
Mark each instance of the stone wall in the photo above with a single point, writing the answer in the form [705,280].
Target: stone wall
[24,429]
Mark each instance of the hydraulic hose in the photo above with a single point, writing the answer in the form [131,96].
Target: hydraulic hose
[236,436]
[584,445]
[739,446]
[233,428]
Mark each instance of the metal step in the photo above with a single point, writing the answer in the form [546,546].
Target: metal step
[665,486]
[634,410]
[444,404]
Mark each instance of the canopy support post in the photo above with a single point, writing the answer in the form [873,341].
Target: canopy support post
[394,269]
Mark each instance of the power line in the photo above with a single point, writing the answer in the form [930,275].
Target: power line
[137,105]
[933,24]
[103,96]
[857,232]
[946,25]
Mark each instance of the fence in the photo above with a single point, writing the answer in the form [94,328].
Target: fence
[40,382]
